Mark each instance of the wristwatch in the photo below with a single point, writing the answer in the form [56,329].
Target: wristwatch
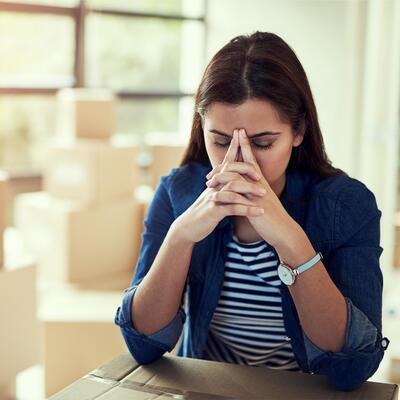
[288,275]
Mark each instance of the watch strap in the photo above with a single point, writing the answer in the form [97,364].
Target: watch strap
[309,264]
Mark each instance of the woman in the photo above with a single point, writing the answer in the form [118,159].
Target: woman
[277,250]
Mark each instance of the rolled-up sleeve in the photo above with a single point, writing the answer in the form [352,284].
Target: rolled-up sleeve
[354,267]
[147,348]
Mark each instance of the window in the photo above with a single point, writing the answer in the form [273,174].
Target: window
[149,52]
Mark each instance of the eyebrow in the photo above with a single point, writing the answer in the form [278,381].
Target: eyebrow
[266,133]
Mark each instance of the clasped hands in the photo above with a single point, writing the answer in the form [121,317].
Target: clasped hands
[246,179]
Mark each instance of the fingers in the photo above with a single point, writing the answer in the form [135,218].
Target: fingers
[249,160]
[229,181]
[245,188]
[233,148]
[230,154]
[239,209]
[238,167]
[230,197]
[245,148]
[230,203]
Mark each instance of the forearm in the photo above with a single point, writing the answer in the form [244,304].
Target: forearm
[320,305]
[158,296]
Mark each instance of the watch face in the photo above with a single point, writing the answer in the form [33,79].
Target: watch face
[285,275]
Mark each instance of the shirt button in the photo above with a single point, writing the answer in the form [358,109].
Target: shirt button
[385,342]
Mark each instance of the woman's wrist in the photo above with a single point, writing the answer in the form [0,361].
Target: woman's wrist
[176,234]
[295,249]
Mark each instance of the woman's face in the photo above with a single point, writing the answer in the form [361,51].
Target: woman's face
[271,139]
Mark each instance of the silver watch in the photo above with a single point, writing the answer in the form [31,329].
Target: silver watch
[288,275]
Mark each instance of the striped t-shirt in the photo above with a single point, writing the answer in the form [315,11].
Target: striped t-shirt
[247,325]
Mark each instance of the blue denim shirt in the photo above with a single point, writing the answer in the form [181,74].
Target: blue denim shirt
[341,219]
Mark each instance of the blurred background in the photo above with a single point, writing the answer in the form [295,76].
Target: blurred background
[91,89]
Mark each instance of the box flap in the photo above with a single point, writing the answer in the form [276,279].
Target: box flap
[173,377]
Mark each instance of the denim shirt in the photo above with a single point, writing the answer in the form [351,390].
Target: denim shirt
[341,219]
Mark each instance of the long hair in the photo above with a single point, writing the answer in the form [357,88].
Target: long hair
[262,66]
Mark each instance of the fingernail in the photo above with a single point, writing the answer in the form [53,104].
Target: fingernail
[242,133]
[260,211]
[262,191]
[208,175]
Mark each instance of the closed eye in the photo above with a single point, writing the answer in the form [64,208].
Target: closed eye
[258,146]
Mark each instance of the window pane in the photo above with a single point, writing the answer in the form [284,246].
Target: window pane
[192,8]
[134,53]
[26,123]
[55,3]
[32,58]
[140,116]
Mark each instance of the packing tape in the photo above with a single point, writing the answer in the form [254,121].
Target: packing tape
[173,393]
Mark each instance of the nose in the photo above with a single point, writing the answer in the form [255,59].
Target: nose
[239,156]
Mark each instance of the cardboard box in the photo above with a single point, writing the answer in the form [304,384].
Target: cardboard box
[8,391]
[3,212]
[80,245]
[395,368]
[20,329]
[86,113]
[185,378]
[163,158]
[396,258]
[90,172]
[144,195]
[79,332]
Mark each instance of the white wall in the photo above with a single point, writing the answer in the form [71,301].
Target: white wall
[316,30]
[342,46]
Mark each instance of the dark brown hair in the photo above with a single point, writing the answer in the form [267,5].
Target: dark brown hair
[262,66]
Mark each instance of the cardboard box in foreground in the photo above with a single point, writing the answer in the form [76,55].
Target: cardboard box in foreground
[183,378]
[19,327]
[79,331]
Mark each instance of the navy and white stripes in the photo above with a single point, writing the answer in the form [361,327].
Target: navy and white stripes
[247,325]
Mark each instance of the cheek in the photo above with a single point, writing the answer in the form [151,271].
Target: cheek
[215,154]
[273,162]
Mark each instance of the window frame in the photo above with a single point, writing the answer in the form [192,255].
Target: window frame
[79,14]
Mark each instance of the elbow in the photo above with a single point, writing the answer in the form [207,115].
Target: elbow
[147,357]
[346,384]
[141,350]
[349,373]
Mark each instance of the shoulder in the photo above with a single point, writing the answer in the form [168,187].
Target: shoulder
[345,192]
[192,171]
[184,184]
[346,205]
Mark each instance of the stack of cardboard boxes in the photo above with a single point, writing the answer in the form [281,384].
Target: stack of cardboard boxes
[163,157]
[87,223]
[3,208]
[85,228]
[19,332]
